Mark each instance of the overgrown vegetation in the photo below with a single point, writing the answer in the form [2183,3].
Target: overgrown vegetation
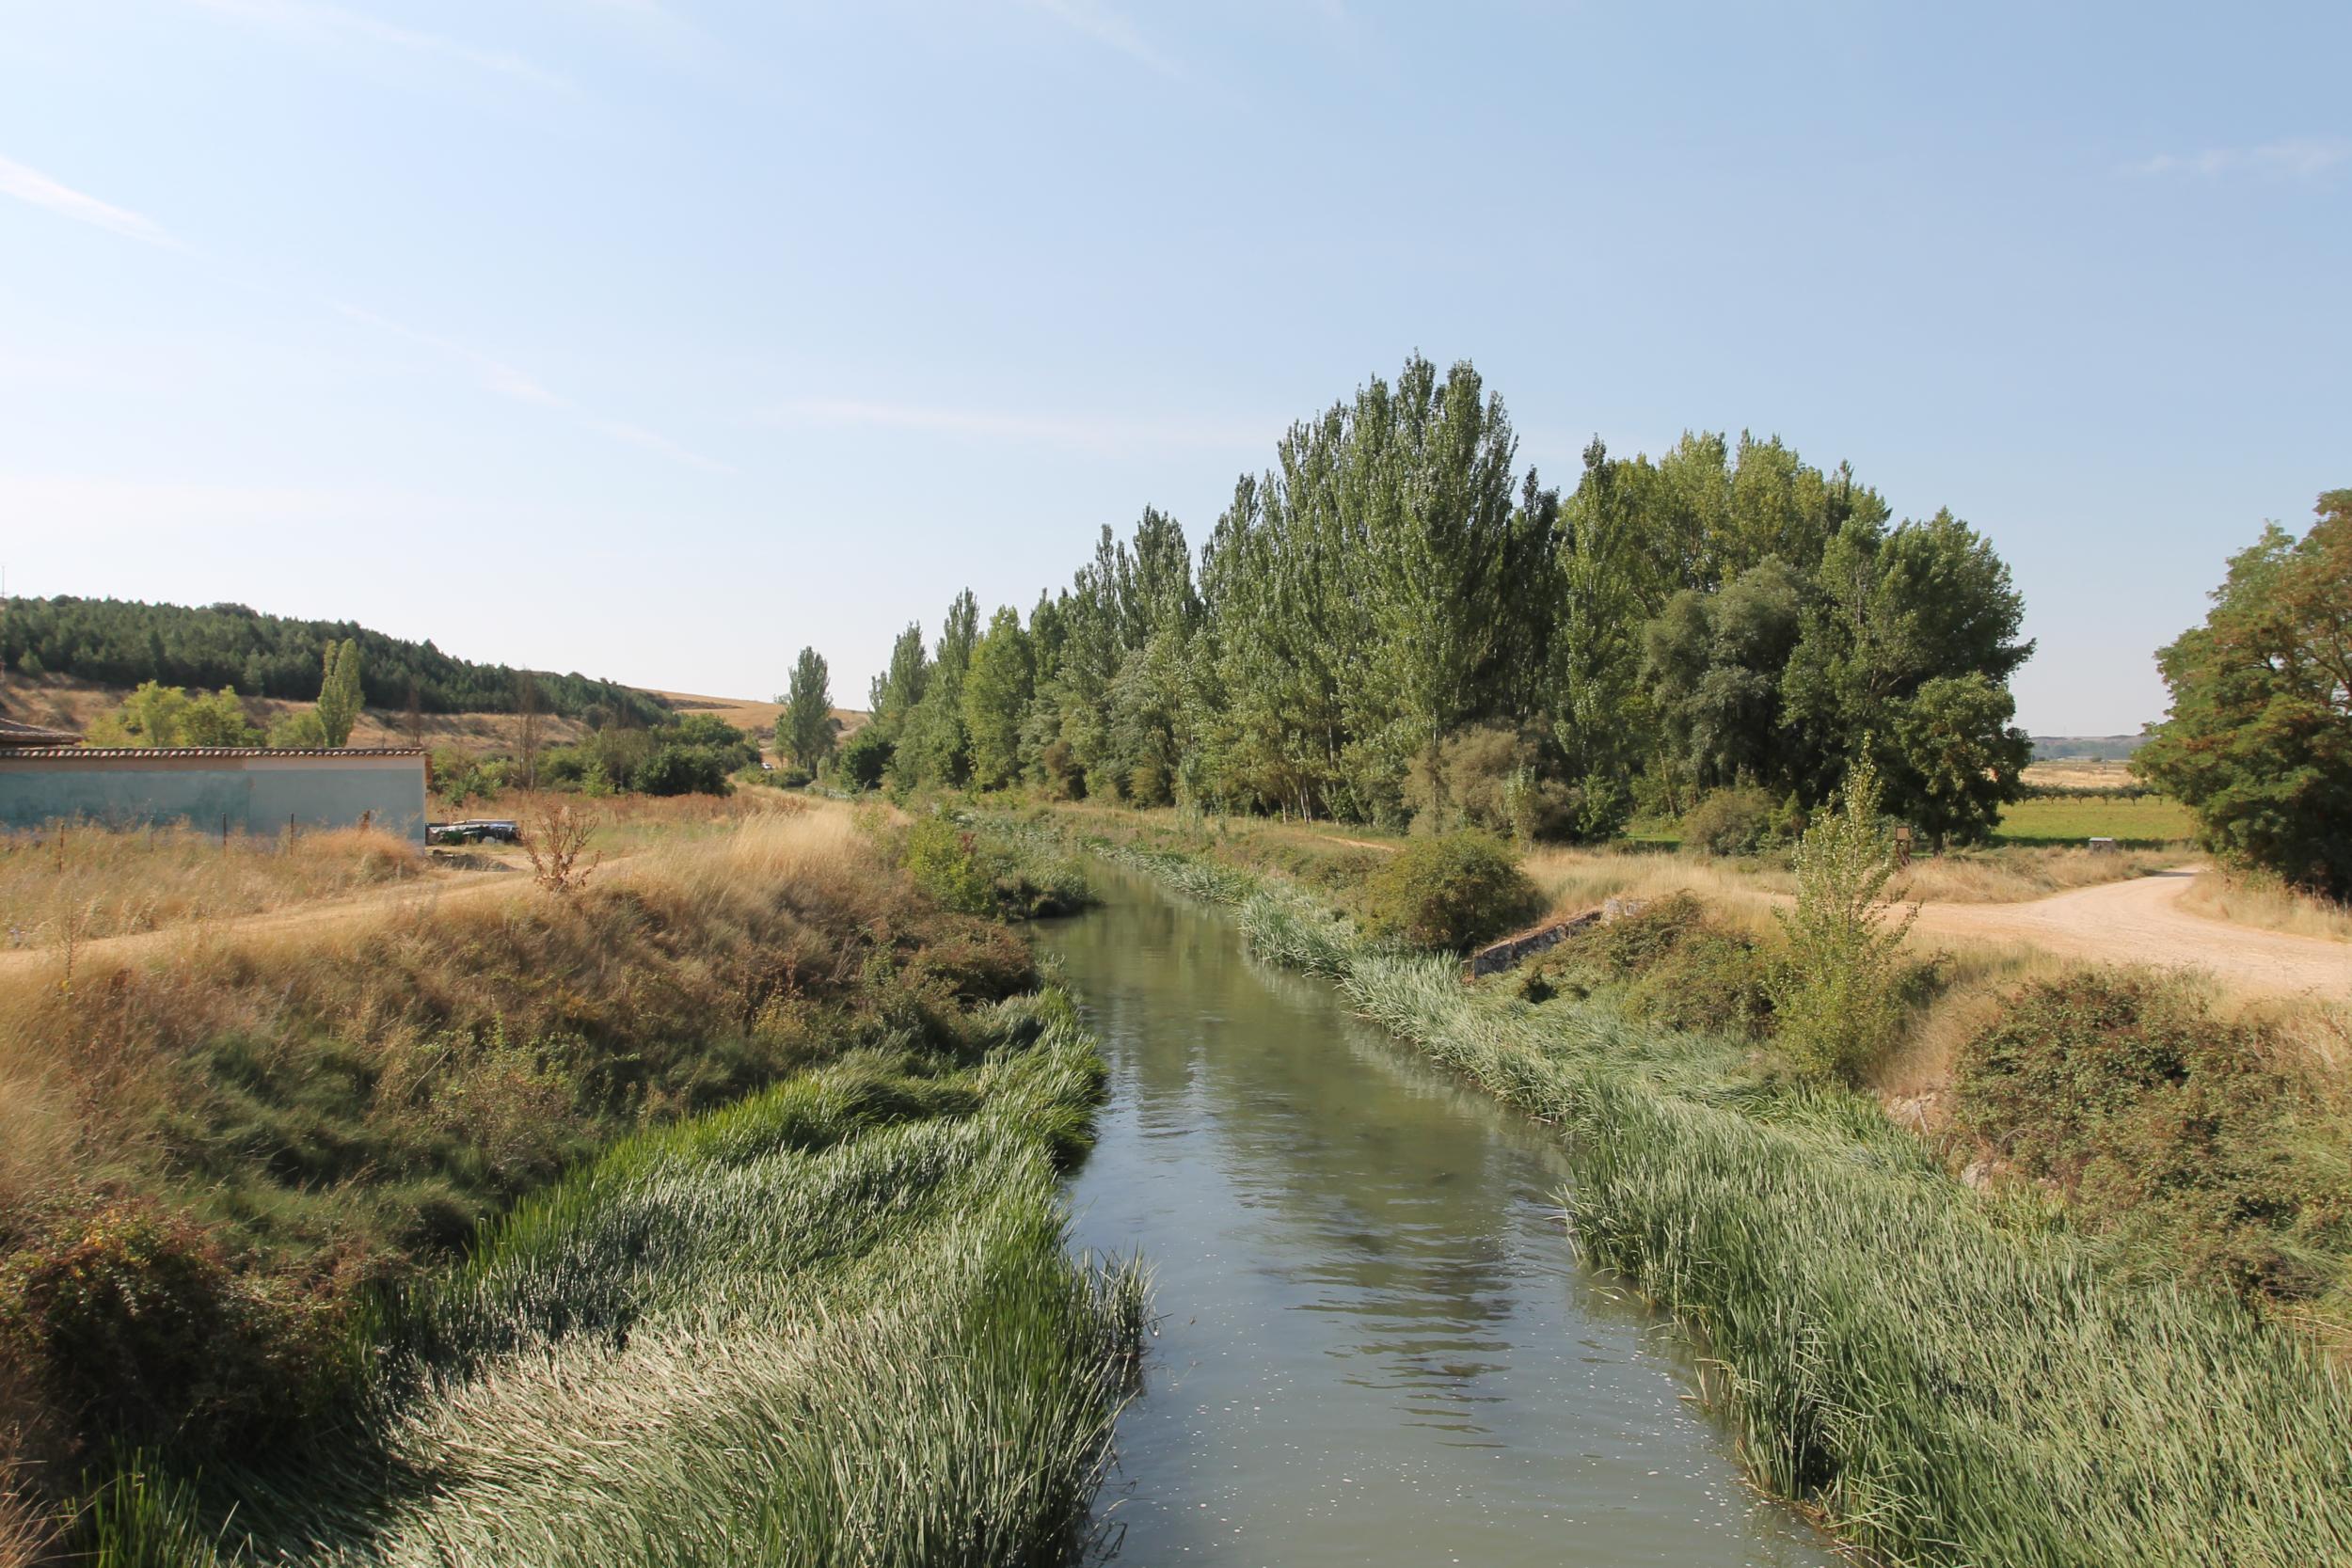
[1667,963]
[982,869]
[2191,1134]
[212,1158]
[693,753]
[836,1321]
[123,642]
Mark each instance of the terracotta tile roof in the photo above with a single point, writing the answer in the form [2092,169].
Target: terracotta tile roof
[13,734]
[10,754]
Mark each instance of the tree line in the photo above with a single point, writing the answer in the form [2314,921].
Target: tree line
[126,643]
[1395,622]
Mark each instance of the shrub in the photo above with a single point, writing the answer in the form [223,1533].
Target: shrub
[1740,820]
[129,1321]
[675,769]
[862,759]
[2167,1125]
[1838,988]
[944,861]
[1675,966]
[1451,892]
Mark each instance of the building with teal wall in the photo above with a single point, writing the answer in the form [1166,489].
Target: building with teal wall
[214,788]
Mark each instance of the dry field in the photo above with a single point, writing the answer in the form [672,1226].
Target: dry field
[2079,773]
[745,714]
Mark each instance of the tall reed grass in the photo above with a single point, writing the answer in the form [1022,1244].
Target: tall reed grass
[1949,1379]
[833,1323]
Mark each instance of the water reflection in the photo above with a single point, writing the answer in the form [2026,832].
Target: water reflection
[1376,1346]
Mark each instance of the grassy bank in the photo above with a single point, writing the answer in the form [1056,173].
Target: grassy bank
[1947,1377]
[833,1323]
[792,1128]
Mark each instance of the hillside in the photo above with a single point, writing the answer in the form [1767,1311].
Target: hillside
[61,702]
[121,642]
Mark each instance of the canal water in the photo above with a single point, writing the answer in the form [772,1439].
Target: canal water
[1374,1345]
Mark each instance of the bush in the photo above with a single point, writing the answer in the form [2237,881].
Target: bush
[675,769]
[1451,892]
[863,759]
[130,1323]
[944,861]
[2167,1125]
[990,875]
[459,776]
[1675,966]
[1740,820]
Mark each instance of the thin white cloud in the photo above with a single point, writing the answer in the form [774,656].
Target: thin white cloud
[522,387]
[1108,28]
[30,185]
[1101,432]
[318,21]
[2292,158]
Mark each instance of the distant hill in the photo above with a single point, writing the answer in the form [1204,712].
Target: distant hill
[120,643]
[757,717]
[2089,748]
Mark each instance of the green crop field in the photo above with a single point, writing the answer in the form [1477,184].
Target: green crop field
[2150,819]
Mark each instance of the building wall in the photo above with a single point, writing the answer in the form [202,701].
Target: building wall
[249,794]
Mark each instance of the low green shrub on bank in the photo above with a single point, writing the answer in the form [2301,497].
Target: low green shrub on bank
[1667,964]
[1450,893]
[1950,1380]
[2169,1125]
[990,872]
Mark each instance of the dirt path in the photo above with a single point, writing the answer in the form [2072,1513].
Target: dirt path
[435,890]
[2140,922]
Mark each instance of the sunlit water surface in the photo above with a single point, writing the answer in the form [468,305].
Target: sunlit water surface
[1374,1343]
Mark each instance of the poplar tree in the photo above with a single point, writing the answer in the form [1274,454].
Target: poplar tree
[892,695]
[996,692]
[805,729]
[339,691]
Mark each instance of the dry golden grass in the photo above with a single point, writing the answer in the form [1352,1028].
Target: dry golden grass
[2011,876]
[80,883]
[1579,879]
[1576,880]
[2270,904]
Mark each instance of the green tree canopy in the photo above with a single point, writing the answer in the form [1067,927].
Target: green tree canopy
[2259,739]
[996,692]
[807,728]
[892,695]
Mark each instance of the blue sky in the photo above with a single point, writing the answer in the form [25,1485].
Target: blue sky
[716,330]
